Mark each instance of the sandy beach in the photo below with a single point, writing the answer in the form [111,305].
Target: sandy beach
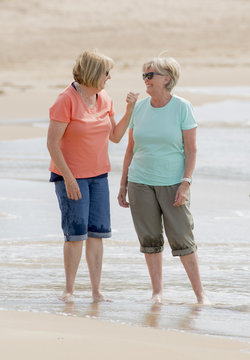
[43,336]
[39,43]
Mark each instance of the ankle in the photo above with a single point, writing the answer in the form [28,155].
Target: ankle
[203,299]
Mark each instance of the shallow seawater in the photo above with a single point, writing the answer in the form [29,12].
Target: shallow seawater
[31,242]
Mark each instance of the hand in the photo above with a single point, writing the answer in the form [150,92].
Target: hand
[131,99]
[122,197]
[181,194]
[73,190]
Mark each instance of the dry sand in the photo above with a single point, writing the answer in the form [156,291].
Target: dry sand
[39,43]
[41,39]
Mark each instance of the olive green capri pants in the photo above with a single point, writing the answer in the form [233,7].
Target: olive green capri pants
[151,208]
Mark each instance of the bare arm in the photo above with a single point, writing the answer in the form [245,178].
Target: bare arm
[118,130]
[124,179]
[190,150]
[55,134]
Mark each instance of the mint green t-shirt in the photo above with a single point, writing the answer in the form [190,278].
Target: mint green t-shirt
[159,158]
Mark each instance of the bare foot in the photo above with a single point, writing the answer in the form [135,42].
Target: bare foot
[66,297]
[100,298]
[156,299]
[203,300]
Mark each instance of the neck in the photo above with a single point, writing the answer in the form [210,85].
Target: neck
[162,100]
[87,94]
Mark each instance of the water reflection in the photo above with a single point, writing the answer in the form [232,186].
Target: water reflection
[92,310]
[152,317]
[187,321]
[69,308]
[160,315]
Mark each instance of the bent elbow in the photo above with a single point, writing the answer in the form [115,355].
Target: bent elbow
[114,139]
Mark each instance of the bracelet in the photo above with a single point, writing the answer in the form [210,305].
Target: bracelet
[189,180]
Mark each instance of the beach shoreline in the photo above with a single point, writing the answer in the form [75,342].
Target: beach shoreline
[45,336]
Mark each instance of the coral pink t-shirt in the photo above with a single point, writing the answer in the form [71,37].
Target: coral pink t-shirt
[85,142]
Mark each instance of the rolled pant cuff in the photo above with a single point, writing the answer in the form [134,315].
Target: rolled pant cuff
[75,237]
[151,250]
[99,235]
[184,252]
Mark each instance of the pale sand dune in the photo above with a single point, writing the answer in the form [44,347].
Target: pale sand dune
[41,39]
[51,337]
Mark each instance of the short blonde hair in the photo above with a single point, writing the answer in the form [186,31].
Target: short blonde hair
[90,66]
[165,66]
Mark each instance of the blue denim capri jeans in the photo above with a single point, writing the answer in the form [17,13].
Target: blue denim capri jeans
[88,216]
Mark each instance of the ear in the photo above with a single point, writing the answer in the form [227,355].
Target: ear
[167,80]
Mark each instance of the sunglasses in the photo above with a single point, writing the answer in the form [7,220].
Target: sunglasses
[150,75]
[107,73]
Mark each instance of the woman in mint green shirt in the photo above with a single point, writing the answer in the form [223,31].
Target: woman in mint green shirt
[157,171]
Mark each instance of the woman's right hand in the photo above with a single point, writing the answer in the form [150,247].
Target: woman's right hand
[72,188]
[122,197]
[131,99]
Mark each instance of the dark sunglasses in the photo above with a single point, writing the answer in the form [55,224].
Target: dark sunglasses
[150,75]
[107,73]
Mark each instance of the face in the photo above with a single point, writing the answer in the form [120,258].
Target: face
[105,77]
[156,84]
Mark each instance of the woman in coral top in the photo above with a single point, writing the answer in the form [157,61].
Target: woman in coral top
[81,124]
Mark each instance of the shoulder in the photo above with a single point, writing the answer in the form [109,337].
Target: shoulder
[62,107]
[181,101]
[105,96]
[67,95]
[186,113]
[68,91]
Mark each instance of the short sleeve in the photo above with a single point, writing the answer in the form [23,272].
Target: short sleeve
[187,117]
[112,110]
[131,123]
[62,109]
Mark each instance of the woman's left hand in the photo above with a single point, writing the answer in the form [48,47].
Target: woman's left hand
[181,194]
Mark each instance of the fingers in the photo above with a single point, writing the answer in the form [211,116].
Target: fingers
[75,195]
[177,203]
[180,198]
[132,97]
[122,200]
[73,191]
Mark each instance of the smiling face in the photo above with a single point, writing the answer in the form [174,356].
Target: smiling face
[157,84]
[104,78]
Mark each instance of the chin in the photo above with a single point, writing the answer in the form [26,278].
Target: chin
[99,89]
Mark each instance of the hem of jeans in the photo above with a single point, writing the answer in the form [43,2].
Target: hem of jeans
[151,250]
[99,235]
[75,237]
[184,252]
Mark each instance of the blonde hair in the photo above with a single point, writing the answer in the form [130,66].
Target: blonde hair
[90,66]
[165,66]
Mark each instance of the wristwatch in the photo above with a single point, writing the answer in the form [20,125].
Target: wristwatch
[189,180]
